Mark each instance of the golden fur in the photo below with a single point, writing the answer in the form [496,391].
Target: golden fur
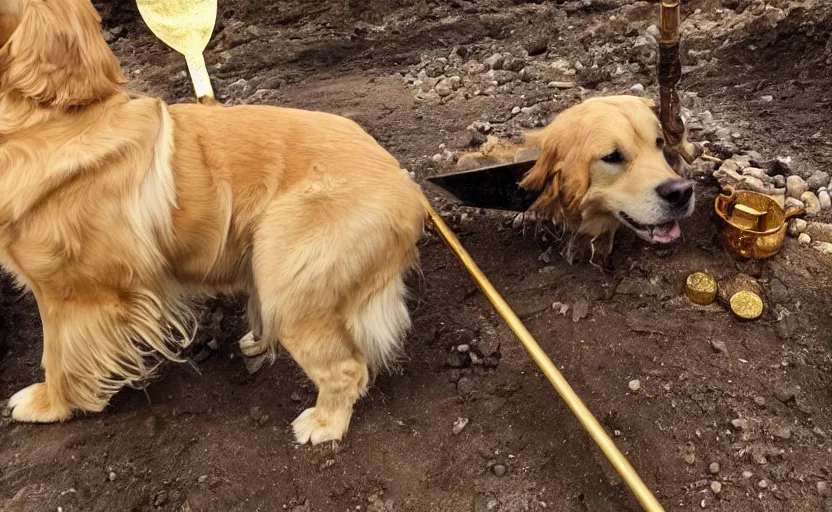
[115,209]
[587,194]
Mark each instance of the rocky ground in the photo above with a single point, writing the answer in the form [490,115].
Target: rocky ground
[714,413]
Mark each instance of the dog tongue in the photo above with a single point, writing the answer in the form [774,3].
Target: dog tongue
[666,232]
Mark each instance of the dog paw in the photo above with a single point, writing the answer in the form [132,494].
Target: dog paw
[251,347]
[309,427]
[32,405]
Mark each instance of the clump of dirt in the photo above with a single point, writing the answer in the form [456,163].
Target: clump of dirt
[727,415]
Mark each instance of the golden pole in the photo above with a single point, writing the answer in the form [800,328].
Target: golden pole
[596,431]
[182,24]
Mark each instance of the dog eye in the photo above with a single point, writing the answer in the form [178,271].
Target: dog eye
[614,158]
[660,142]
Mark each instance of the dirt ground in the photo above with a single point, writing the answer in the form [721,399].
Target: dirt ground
[729,415]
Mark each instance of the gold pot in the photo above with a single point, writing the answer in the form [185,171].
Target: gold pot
[753,224]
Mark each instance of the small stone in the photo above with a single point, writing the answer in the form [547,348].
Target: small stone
[797,226]
[515,110]
[295,397]
[768,98]
[716,487]
[719,346]
[536,45]
[762,484]
[492,504]
[580,310]
[112,476]
[561,85]
[459,425]
[443,88]
[824,199]
[635,385]
[690,459]
[817,179]
[494,62]
[779,181]
[823,247]
[637,89]
[793,202]
[786,393]
[782,432]
[804,239]
[786,324]
[747,474]
[811,201]
[255,414]
[824,489]
[796,186]
[498,469]
[463,348]
[713,467]
[761,401]
[740,423]
[202,479]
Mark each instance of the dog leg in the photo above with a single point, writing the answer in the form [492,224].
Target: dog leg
[252,344]
[45,402]
[323,348]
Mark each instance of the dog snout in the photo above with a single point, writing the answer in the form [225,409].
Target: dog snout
[676,192]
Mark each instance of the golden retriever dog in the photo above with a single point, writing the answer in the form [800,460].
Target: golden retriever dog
[601,164]
[116,208]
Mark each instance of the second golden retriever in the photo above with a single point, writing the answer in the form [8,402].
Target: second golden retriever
[601,165]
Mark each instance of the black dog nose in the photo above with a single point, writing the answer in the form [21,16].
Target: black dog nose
[676,192]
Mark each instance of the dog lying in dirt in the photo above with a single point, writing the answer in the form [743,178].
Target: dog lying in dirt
[115,208]
[600,164]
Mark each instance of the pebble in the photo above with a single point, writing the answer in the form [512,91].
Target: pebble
[690,459]
[637,89]
[817,179]
[459,425]
[797,226]
[779,181]
[202,479]
[762,484]
[823,247]
[761,401]
[804,239]
[740,423]
[112,476]
[796,186]
[498,469]
[824,489]
[786,393]
[714,468]
[495,61]
[515,110]
[719,346]
[793,202]
[811,201]
[443,88]
[561,85]
[747,474]
[635,385]
[824,199]
[580,310]
[768,98]
[716,487]
[492,504]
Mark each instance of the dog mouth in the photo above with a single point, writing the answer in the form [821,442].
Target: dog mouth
[662,233]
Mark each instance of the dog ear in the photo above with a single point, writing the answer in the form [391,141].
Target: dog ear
[560,177]
[56,56]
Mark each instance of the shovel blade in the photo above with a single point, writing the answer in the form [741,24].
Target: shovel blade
[184,25]
[496,187]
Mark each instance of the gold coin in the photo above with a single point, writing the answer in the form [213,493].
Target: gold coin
[746,305]
[701,288]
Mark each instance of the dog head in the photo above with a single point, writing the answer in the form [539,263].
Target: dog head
[53,54]
[602,165]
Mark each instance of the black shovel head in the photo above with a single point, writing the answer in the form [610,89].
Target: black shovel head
[496,187]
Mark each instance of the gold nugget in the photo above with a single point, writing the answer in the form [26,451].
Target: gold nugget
[701,288]
[746,305]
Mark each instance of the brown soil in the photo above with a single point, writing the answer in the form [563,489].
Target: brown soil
[209,436]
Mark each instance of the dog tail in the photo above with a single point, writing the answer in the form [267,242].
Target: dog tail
[379,326]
